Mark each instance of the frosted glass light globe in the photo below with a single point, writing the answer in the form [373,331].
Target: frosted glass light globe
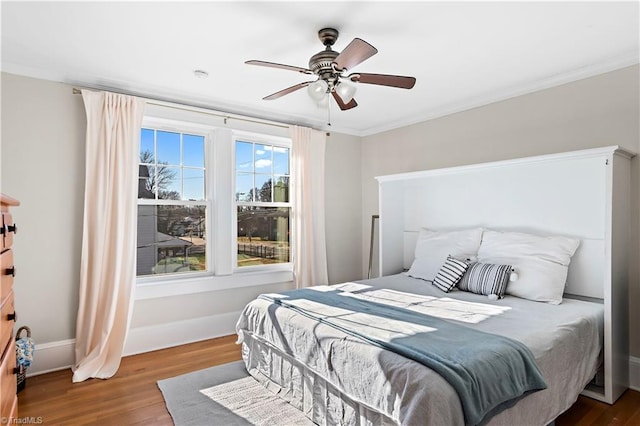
[317,90]
[346,92]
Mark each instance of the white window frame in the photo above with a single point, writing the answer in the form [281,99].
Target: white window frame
[221,211]
[194,129]
[239,136]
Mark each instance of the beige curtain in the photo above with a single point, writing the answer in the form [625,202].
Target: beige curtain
[307,176]
[107,269]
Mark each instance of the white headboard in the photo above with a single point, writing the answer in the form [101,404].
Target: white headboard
[561,194]
[583,194]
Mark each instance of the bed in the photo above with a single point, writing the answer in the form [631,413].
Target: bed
[336,376]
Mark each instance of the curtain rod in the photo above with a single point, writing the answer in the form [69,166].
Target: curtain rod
[186,107]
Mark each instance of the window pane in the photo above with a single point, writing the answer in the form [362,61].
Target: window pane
[171,239]
[168,145]
[193,184]
[244,186]
[146,146]
[280,160]
[244,156]
[145,181]
[168,182]
[263,188]
[262,156]
[193,150]
[263,235]
[281,189]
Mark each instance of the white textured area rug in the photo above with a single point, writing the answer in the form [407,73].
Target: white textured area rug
[225,395]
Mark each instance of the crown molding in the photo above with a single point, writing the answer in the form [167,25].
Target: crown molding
[611,64]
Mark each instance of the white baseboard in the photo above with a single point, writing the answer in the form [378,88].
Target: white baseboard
[634,373]
[60,355]
[52,356]
[154,337]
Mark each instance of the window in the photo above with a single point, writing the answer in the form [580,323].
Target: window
[172,203]
[262,203]
[213,203]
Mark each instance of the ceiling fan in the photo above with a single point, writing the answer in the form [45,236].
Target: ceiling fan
[331,67]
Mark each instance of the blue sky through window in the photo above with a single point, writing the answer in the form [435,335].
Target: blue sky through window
[256,164]
[263,160]
[185,161]
[146,141]
[244,156]
[193,150]
[280,160]
[168,147]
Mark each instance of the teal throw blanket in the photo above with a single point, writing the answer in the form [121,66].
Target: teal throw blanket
[489,372]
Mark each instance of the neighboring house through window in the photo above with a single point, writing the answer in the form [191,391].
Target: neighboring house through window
[172,206]
[213,202]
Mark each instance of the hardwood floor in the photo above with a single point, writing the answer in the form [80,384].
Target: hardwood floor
[587,412]
[132,397]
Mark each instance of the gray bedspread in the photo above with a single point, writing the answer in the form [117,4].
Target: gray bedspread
[489,372]
[337,378]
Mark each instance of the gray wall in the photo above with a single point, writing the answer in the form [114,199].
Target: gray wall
[594,112]
[43,127]
[343,207]
[43,165]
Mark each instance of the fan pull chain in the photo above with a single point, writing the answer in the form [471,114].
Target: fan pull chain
[329,110]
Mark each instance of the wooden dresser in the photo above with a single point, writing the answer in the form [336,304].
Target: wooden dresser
[8,380]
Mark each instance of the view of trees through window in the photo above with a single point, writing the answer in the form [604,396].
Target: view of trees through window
[158,178]
[172,206]
[173,219]
[263,205]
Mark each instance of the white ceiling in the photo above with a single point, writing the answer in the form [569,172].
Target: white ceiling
[463,54]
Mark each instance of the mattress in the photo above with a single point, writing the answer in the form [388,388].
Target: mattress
[335,378]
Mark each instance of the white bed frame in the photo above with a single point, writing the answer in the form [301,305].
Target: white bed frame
[583,194]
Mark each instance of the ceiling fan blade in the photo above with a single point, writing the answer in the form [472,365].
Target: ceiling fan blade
[352,103]
[356,52]
[286,91]
[281,66]
[384,80]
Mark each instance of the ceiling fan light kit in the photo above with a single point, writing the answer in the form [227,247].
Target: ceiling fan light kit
[318,90]
[330,67]
[346,91]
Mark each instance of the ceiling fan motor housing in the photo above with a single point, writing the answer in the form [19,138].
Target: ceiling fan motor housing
[321,62]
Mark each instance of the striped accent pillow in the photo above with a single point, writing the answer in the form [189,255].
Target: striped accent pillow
[486,278]
[450,273]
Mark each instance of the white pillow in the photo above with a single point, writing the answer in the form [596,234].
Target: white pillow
[540,262]
[433,247]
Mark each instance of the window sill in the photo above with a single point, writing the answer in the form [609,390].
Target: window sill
[149,288]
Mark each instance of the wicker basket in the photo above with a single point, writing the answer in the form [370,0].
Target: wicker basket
[21,371]
[22,377]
